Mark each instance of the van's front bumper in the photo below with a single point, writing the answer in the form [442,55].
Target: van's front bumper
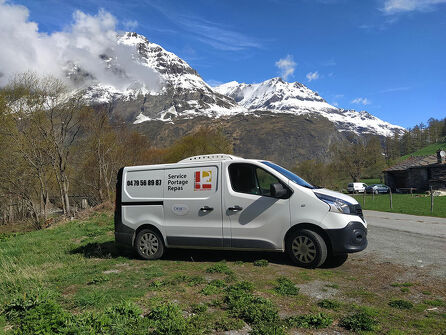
[351,238]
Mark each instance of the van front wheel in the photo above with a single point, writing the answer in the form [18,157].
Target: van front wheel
[149,245]
[307,248]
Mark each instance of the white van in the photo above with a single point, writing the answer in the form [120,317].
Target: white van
[356,187]
[226,202]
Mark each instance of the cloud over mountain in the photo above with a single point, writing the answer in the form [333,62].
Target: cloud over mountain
[84,44]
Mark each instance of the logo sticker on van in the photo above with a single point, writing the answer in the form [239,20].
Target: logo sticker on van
[180,209]
[203,181]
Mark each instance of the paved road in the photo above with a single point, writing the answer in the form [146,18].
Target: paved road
[408,239]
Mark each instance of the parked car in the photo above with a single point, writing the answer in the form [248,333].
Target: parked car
[356,187]
[377,188]
[226,202]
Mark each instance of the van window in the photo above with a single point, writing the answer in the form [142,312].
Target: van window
[247,178]
[243,178]
[350,185]
[265,179]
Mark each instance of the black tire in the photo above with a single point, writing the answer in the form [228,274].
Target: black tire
[306,248]
[149,244]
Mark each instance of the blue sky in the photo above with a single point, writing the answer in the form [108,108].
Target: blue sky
[384,56]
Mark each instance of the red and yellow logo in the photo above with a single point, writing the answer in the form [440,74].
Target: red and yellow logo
[203,181]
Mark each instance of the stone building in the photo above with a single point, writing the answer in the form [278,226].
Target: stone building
[419,173]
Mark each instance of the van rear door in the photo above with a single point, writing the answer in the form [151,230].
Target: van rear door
[192,206]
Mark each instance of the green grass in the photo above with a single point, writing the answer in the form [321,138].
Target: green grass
[428,150]
[73,279]
[418,204]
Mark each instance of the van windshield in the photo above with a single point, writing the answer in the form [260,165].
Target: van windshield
[288,174]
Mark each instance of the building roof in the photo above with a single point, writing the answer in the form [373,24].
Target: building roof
[414,162]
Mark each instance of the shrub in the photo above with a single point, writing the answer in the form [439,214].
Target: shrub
[213,287]
[219,268]
[98,279]
[268,329]
[199,308]
[167,319]
[286,287]
[329,304]
[243,304]
[226,323]
[315,321]
[435,302]
[400,304]
[358,321]
[261,262]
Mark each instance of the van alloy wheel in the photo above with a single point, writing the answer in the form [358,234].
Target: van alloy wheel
[148,244]
[306,248]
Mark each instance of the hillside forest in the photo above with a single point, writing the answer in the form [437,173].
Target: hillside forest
[58,155]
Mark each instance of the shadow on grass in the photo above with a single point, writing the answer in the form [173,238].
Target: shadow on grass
[104,250]
[280,258]
[107,250]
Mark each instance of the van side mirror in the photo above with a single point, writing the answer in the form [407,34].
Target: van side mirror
[277,190]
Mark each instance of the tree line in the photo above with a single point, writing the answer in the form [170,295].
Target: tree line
[56,150]
[369,156]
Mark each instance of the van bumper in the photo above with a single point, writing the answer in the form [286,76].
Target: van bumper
[351,238]
[124,235]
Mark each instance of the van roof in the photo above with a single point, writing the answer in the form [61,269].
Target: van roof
[212,157]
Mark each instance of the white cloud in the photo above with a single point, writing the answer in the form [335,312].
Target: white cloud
[287,66]
[312,76]
[130,25]
[399,6]
[361,101]
[335,103]
[214,83]
[25,48]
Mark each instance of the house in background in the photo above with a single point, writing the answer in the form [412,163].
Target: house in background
[418,173]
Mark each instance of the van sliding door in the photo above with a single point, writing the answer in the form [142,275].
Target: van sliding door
[192,206]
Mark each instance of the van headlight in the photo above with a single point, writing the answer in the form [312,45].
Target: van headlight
[336,204]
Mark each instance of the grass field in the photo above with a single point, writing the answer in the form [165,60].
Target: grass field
[428,150]
[418,204]
[71,279]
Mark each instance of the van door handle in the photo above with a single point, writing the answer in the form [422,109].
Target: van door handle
[236,208]
[206,208]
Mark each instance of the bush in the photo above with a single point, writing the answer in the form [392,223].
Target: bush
[286,287]
[358,321]
[213,287]
[329,304]
[219,268]
[167,319]
[261,262]
[268,329]
[315,321]
[254,310]
[401,304]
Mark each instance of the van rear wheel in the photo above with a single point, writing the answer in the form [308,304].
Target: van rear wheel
[306,248]
[149,244]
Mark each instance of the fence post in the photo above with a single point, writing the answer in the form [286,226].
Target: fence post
[363,199]
[373,194]
[432,201]
[391,203]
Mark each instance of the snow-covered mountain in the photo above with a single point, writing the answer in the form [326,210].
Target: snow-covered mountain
[183,94]
[279,96]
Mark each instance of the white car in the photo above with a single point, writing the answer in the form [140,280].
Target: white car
[356,187]
[227,202]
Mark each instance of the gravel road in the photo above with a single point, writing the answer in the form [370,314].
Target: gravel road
[408,240]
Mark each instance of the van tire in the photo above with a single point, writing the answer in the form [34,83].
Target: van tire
[306,248]
[149,244]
